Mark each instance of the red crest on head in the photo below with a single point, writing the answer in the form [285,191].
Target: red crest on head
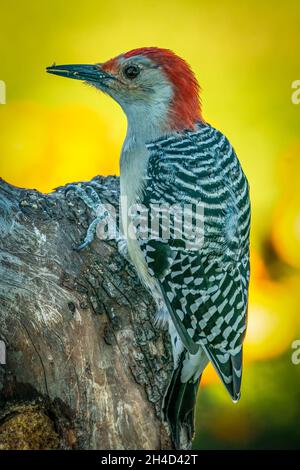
[185,109]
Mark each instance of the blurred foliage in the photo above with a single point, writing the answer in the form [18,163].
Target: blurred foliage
[246,56]
[267,416]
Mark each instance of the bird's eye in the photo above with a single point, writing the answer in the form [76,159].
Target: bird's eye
[131,71]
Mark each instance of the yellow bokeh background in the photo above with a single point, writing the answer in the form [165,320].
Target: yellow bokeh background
[246,56]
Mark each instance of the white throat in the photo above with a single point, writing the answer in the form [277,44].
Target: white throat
[145,122]
[134,155]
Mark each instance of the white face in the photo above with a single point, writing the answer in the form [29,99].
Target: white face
[140,87]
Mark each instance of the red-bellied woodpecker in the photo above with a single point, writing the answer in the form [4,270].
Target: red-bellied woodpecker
[172,158]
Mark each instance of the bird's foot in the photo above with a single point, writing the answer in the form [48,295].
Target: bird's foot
[90,234]
[89,196]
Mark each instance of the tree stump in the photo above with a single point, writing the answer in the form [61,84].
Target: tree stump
[86,368]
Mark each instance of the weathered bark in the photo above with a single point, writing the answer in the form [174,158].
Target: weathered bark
[86,367]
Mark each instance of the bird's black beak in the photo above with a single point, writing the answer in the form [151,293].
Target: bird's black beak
[88,73]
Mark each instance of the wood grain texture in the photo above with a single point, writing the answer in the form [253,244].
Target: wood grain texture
[82,347]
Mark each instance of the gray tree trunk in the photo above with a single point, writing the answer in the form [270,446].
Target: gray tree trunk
[85,366]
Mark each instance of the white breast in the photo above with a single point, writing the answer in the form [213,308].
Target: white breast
[134,160]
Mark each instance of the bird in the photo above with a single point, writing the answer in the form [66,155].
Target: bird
[172,158]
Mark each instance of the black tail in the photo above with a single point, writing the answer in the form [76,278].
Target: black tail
[179,407]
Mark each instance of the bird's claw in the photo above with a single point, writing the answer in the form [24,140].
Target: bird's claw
[90,197]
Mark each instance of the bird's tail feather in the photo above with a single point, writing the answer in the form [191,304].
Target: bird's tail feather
[179,407]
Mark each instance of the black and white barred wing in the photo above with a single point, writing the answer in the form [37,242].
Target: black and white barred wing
[205,286]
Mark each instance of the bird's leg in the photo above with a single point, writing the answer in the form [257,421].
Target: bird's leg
[90,197]
[120,238]
[90,234]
